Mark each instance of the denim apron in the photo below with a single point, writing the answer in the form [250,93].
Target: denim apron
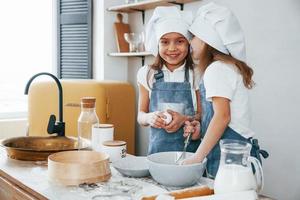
[213,158]
[170,92]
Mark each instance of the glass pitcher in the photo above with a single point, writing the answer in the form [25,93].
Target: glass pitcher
[235,170]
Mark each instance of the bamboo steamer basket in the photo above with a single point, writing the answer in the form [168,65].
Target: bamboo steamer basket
[76,167]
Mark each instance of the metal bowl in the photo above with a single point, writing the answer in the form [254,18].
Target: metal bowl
[34,148]
[163,169]
[132,166]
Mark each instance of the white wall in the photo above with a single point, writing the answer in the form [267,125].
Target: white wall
[272,30]
[104,42]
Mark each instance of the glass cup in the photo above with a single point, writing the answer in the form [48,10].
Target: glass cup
[134,40]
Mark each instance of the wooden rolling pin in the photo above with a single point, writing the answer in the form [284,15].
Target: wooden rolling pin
[186,193]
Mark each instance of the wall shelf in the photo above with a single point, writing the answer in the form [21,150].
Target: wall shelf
[132,54]
[147,5]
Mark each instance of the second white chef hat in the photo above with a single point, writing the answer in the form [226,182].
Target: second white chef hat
[217,26]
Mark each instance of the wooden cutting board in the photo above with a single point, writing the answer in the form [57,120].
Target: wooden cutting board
[120,29]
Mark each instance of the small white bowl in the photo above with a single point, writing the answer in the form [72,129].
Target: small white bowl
[132,166]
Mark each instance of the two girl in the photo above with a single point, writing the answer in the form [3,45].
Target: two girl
[170,84]
[218,48]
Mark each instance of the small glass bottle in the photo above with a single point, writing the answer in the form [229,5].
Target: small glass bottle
[86,120]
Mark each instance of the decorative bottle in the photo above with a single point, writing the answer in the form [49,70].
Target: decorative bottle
[88,117]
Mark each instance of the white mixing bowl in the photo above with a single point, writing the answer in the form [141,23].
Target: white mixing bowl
[163,169]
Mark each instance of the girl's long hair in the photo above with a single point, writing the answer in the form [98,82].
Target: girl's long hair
[210,54]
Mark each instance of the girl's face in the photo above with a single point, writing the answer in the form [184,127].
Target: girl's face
[173,48]
[197,47]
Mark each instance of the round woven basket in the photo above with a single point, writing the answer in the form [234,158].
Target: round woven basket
[76,167]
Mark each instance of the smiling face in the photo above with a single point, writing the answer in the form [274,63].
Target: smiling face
[173,48]
[197,47]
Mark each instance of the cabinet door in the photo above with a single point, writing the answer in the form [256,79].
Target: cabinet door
[9,191]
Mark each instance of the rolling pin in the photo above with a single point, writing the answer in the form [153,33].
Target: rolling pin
[186,193]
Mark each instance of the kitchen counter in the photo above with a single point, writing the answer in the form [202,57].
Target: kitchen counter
[28,180]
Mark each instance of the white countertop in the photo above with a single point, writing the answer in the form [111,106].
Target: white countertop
[34,176]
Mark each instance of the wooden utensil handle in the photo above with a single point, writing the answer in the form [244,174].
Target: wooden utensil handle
[120,18]
[186,193]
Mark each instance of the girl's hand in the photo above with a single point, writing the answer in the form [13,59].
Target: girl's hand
[176,123]
[191,160]
[192,127]
[155,120]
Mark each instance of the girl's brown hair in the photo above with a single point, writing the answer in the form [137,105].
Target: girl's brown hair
[210,54]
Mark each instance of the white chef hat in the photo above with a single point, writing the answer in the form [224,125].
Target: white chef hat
[166,20]
[217,26]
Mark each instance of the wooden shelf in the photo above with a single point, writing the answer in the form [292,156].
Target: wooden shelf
[130,54]
[146,5]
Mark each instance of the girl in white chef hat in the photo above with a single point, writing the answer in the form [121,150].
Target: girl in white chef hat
[218,46]
[169,83]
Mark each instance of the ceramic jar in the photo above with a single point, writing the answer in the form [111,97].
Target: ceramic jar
[116,149]
[100,134]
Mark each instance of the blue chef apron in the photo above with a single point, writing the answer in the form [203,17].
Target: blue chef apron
[213,158]
[170,92]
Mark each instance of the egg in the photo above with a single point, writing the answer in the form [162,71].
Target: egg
[168,118]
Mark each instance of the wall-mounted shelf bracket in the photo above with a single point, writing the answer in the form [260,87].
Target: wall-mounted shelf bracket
[143,60]
[180,4]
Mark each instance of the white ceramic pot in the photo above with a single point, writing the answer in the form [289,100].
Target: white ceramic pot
[100,134]
[115,149]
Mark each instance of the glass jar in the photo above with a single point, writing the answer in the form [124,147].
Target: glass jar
[86,120]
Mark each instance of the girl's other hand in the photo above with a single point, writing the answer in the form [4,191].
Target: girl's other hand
[155,119]
[191,160]
[176,123]
[188,128]
[192,127]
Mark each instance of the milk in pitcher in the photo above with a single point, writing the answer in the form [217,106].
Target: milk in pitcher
[234,178]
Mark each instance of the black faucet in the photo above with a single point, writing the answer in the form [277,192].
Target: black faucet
[53,126]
